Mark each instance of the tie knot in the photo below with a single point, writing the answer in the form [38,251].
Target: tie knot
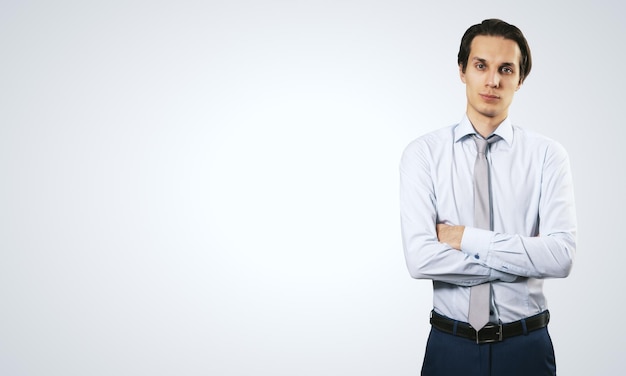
[481,143]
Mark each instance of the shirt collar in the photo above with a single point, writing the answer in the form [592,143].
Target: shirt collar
[465,128]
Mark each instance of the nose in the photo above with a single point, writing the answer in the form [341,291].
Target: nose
[493,79]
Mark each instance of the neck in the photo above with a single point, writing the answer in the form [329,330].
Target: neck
[485,125]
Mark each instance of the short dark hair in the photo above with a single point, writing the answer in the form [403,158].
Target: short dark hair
[499,28]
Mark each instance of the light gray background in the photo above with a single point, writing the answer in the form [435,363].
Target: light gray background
[211,187]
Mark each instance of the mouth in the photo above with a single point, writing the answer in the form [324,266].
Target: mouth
[489,97]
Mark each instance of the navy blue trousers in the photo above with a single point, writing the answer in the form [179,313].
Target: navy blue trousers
[531,354]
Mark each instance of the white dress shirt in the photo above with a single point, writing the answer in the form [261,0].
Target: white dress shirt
[534,219]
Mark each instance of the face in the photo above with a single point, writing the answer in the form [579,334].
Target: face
[491,78]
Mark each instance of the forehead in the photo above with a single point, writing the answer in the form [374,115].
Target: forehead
[495,49]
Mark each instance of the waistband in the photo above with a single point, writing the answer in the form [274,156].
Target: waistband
[490,332]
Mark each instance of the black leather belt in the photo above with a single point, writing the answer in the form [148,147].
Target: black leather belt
[491,332]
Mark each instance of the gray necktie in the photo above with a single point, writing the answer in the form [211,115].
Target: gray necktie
[480,294]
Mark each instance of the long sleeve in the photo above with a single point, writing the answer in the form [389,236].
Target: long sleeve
[547,254]
[425,256]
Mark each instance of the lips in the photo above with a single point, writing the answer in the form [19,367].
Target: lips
[489,97]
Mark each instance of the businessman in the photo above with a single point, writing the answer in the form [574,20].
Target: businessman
[487,213]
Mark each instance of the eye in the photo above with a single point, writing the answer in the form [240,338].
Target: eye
[506,70]
[480,66]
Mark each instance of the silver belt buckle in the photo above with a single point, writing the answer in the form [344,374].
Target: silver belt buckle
[496,338]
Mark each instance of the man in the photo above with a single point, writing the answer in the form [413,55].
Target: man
[520,230]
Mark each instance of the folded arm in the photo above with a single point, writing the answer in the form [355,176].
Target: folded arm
[426,256]
[432,248]
[550,252]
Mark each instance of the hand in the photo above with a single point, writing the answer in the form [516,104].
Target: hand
[450,235]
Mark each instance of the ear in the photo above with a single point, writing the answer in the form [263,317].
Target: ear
[461,74]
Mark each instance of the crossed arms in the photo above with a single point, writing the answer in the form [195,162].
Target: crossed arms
[437,248]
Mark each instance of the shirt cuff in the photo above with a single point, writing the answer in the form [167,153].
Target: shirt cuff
[476,243]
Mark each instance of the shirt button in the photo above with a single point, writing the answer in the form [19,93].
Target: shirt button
[476,256]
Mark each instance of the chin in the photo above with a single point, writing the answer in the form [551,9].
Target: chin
[490,114]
